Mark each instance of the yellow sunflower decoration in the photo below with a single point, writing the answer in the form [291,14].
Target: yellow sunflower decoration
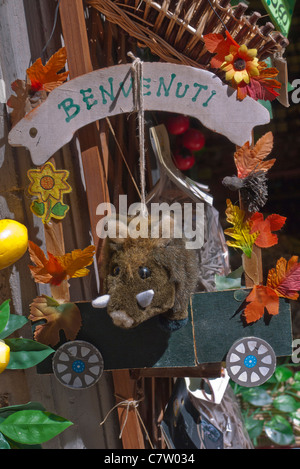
[49,186]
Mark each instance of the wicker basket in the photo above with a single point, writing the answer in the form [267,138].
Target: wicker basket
[173,29]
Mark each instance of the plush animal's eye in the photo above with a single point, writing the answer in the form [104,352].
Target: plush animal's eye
[116,270]
[144,272]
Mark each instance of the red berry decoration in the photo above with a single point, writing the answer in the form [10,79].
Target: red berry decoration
[177,124]
[184,159]
[193,139]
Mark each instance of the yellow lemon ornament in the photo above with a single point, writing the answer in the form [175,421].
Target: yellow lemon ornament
[13,242]
[4,355]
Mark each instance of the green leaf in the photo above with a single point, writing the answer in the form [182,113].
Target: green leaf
[3,442]
[14,323]
[286,403]
[256,396]
[279,431]
[254,427]
[295,416]
[8,410]
[59,210]
[296,385]
[25,353]
[283,373]
[33,427]
[297,376]
[38,208]
[4,314]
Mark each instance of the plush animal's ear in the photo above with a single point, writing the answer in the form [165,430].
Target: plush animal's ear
[117,233]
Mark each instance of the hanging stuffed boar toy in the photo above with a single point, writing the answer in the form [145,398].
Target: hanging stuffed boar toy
[147,276]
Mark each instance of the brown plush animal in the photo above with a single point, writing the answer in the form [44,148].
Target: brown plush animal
[145,277]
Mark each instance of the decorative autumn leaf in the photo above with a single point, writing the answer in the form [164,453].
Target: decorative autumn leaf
[217,44]
[249,159]
[283,281]
[56,269]
[240,231]
[75,262]
[266,238]
[263,86]
[57,316]
[46,77]
[285,278]
[259,299]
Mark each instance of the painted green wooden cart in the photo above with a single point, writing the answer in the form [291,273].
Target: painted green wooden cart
[213,334]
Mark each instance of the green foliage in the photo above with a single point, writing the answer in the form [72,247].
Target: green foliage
[25,426]
[271,409]
[28,426]
[24,353]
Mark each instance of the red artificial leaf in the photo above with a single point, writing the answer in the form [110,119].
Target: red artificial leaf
[259,299]
[217,44]
[284,279]
[266,238]
[263,89]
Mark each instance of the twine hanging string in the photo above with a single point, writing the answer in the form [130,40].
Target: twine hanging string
[137,72]
[128,404]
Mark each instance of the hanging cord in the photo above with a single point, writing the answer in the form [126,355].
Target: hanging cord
[128,404]
[137,70]
[216,13]
[51,34]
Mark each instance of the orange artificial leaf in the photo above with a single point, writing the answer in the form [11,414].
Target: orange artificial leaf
[285,278]
[75,263]
[259,299]
[217,44]
[266,238]
[57,317]
[46,77]
[56,269]
[249,159]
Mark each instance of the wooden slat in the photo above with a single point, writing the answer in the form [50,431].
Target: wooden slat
[79,63]
[125,389]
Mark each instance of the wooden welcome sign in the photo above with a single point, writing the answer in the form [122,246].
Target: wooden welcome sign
[110,91]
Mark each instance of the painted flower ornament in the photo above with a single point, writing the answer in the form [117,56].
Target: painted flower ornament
[48,185]
[243,70]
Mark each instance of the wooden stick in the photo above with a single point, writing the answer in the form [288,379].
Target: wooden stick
[54,239]
[79,63]
[125,388]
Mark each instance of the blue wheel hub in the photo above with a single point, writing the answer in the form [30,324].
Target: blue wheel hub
[78,366]
[250,361]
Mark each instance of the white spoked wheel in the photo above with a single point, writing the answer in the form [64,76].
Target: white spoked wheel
[77,364]
[251,361]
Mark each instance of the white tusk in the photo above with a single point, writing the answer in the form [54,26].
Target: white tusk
[101,301]
[144,298]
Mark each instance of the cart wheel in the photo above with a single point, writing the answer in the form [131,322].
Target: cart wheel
[250,361]
[77,364]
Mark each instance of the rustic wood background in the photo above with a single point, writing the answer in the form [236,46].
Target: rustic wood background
[25,29]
